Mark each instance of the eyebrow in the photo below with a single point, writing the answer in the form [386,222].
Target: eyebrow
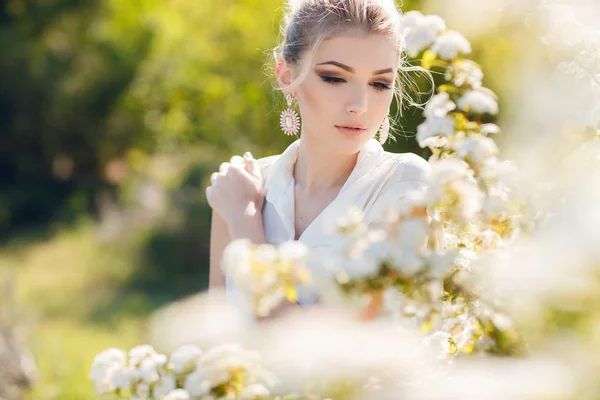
[351,70]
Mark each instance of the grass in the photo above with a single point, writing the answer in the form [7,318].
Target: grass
[61,284]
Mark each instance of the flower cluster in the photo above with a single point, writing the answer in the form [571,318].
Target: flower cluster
[266,274]
[226,371]
[450,261]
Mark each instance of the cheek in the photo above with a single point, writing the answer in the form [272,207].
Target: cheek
[379,103]
[317,98]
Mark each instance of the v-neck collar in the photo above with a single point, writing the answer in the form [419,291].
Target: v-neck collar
[279,184]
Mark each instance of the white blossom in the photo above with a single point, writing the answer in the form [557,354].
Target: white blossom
[265,254]
[254,392]
[450,44]
[420,31]
[166,385]
[142,390]
[139,353]
[440,264]
[439,106]
[406,260]
[197,384]
[184,358]
[476,148]
[449,169]
[177,394]
[489,128]
[151,366]
[293,251]
[126,377]
[464,258]
[433,127]
[478,101]
[237,256]
[104,368]
[464,71]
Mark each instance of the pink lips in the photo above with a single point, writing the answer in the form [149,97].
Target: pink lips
[351,130]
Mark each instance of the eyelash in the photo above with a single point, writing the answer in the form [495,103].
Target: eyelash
[336,81]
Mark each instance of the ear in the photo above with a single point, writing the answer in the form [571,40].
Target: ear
[283,72]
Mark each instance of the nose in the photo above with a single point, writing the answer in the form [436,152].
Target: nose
[358,103]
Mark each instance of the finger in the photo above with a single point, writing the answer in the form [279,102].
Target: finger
[224,167]
[214,179]
[237,160]
[251,165]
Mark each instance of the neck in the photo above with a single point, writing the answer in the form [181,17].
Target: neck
[317,170]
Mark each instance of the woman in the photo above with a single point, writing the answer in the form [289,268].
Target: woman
[340,60]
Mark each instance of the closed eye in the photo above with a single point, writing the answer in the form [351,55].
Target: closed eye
[333,80]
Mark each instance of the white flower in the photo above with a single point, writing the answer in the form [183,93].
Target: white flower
[151,366]
[465,337]
[487,129]
[177,394]
[464,71]
[237,256]
[197,384]
[464,259]
[419,30]
[406,260]
[494,170]
[125,378]
[142,390]
[411,232]
[493,206]
[434,142]
[265,254]
[475,148]
[351,222]
[350,268]
[254,392]
[433,127]
[449,169]
[166,385]
[439,106]
[478,101]
[104,368]
[440,264]
[293,251]
[449,44]
[138,353]
[184,358]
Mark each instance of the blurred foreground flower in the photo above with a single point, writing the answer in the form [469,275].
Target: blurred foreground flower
[225,371]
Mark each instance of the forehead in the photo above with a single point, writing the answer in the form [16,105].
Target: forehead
[361,52]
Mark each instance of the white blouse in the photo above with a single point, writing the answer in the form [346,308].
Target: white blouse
[379,179]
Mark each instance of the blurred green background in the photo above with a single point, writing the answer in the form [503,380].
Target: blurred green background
[113,114]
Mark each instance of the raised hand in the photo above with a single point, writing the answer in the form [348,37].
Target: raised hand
[236,191]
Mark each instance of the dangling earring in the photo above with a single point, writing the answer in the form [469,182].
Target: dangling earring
[290,122]
[384,130]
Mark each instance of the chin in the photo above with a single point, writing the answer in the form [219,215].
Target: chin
[350,145]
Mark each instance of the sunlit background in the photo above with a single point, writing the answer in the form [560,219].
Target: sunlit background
[114,113]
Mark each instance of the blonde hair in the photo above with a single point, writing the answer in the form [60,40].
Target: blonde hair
[307,23]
